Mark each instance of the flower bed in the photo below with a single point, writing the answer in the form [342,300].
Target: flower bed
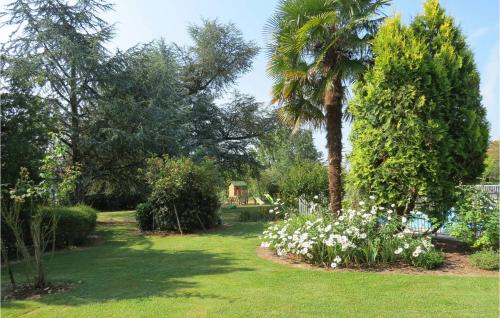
[365,237]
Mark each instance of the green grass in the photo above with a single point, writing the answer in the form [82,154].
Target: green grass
[218,275]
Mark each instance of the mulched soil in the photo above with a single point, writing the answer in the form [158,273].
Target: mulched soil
[28,292]
[456,263]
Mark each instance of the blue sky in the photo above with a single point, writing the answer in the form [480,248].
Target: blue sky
[143,21]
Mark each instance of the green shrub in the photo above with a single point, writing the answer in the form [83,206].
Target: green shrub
[477,218]
[430,260]
[183,193]
[255,214]
[144,216]
[486,259]
[74,224]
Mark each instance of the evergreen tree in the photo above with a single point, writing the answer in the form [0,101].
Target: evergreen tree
[64,44]
[418,131]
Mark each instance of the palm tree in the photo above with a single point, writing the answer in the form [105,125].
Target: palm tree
[316,48]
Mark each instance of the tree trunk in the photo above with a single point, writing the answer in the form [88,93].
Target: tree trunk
[5,260]
[333,110]
[75,132]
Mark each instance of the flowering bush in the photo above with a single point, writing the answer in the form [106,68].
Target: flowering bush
[364,237]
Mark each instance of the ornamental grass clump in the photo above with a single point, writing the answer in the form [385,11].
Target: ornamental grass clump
[365,237]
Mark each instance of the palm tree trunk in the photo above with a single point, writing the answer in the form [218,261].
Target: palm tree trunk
[333,110]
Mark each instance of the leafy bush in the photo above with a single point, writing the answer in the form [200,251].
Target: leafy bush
[74,224]
[184,196]
[477,218]
[367,237]
[486,259]
[144,215]
[430,260]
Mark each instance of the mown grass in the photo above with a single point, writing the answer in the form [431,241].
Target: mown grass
[219,275]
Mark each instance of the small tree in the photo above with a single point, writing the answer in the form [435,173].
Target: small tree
[58,181]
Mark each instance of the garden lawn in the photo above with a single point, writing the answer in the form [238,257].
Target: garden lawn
[219,275]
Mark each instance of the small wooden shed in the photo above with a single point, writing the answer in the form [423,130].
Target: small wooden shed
[238,192]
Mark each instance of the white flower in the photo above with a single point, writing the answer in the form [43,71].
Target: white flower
[271,210]
[361,203]
[393,205]
[381,208]
[417,251]
[264,244]
[337,259]
[362,235]
[398,251]
[372,197]
[403,219]
[389,218]
[316,197]
[333,265]
[389,211]
[406,245]
[328,228]
[341,218]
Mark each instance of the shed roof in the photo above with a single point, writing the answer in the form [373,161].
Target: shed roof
[239,183]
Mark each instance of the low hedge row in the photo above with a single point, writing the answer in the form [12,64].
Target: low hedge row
[74,224]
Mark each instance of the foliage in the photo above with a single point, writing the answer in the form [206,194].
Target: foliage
[152,105]
[183,198]
[58,177]
[218,56]
[116,110]
[491,172]
[430,260]
[278,151]
[254,214]
[477,218]
[409,146]
[283,147]
[486,259]
[141,111]
[455,87]
[24,130]
[369,236]
[30,230]
[306,180]
[74,224]
[41,230]
[63,45]
[228,133]
[315,46]
[144,216]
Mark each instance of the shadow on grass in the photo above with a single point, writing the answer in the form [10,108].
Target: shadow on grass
[128,266]
[244,230]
